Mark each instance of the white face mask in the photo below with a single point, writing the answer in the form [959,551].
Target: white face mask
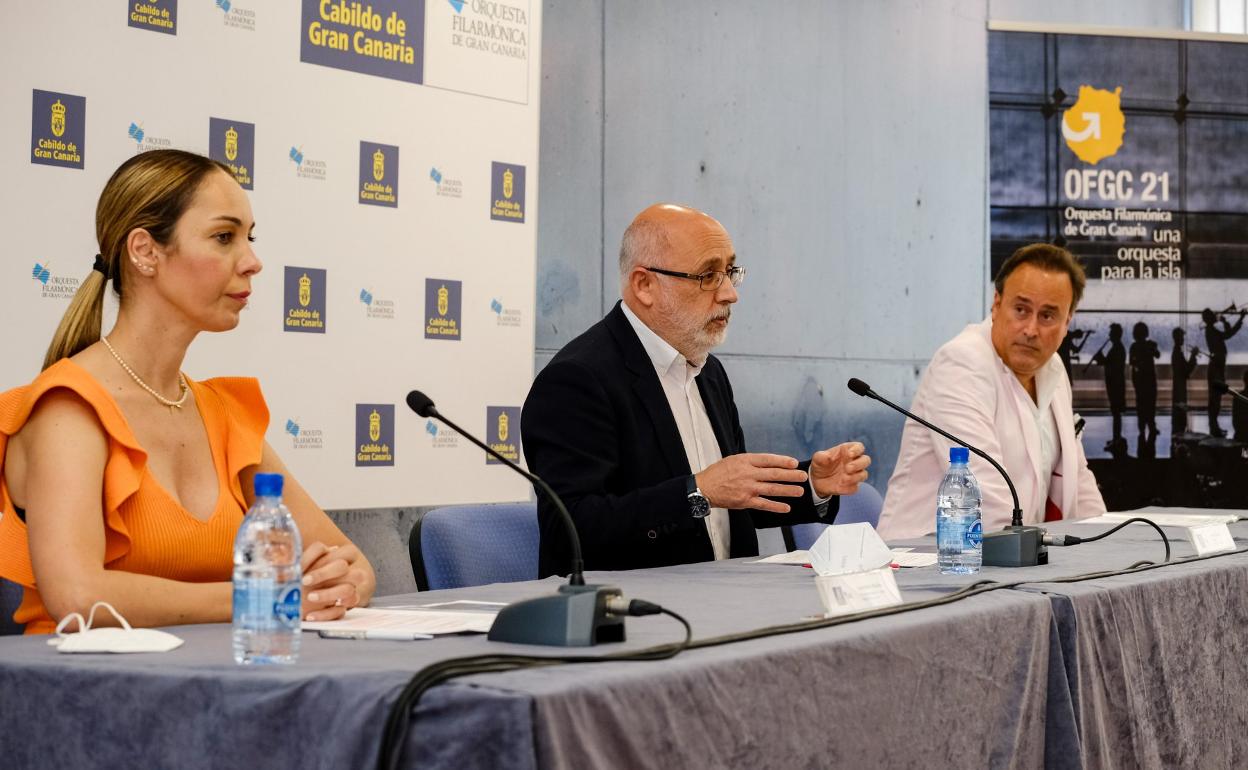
[124,639]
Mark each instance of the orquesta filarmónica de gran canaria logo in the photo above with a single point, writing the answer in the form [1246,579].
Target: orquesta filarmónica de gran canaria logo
[1094,124]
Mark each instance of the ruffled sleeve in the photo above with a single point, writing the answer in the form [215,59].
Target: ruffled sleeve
[245,415]
[123,469]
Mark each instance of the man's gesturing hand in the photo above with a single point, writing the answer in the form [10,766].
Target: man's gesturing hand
[839,470]
[740,481]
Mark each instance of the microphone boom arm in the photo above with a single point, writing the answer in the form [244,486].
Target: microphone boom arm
[576,577]
[1016,519]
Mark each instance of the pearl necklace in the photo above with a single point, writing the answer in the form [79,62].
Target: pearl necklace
[184,388]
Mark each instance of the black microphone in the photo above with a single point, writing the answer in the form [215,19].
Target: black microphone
[1016,545]
[578,616]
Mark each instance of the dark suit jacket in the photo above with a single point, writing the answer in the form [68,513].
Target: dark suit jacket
[597,427]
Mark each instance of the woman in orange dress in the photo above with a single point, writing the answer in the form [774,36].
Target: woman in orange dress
[123,480]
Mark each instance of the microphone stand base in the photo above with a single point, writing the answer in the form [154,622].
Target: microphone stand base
[575,617]
[1015,547]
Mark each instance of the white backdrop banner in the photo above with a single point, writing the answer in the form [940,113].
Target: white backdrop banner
[390,150]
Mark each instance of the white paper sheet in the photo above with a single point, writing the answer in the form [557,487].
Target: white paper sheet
[1163,519]
[902,557]
[414,621]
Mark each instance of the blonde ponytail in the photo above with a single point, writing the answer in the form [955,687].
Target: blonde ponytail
[80,326]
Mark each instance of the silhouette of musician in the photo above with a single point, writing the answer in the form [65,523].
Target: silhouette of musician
[1071,345]
[1215,340]
[1114,360]
[1144,379]
[1180,369]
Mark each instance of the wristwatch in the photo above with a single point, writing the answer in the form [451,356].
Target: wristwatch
[699,506]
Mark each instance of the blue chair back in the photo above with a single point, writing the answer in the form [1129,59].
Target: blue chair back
[472,545]
[863,505]
[10,599]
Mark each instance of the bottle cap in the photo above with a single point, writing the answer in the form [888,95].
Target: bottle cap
[958,455]
[268,485]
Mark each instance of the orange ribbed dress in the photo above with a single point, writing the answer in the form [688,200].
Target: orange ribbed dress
[146,530]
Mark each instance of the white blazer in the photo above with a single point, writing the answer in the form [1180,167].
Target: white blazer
[970,392]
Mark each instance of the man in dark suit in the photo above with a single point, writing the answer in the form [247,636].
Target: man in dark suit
[633,422]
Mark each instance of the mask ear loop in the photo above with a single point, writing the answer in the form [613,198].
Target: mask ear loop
[84,626]
[60,627]
[91,617]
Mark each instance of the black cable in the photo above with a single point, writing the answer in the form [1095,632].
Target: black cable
[1065,540]
[399,719]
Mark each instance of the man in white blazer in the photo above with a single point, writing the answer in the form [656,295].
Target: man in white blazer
[1001,386]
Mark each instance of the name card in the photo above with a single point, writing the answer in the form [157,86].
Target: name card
[852,592]
[1211,538]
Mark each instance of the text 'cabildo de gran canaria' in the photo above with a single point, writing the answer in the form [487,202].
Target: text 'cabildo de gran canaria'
[363,25]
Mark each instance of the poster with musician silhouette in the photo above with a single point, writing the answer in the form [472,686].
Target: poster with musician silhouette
[1132,151]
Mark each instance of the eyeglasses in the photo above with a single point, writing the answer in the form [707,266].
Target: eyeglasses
[710,280]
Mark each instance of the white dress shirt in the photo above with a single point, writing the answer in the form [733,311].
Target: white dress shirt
[1047,380]
[678,377]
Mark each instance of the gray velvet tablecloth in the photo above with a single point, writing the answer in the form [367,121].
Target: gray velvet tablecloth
[1157,660]
[1116,672]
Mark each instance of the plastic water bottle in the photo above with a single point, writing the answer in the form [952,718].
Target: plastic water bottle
[267,579]
[959,528]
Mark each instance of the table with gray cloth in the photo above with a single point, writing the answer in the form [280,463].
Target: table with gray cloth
[1157,660]
[1044,674]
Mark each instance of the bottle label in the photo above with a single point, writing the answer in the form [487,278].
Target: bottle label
[286,607]
[974,535]
[253,603]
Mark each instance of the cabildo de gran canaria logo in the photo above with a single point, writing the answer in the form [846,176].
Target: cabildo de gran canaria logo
[233,142]
[374,434]
[502,429]
[442,309]
[506,192]
[304,300]
[382,37]
[155,15]
[53,286]
[379,174]
[1094,125]
[58,129]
